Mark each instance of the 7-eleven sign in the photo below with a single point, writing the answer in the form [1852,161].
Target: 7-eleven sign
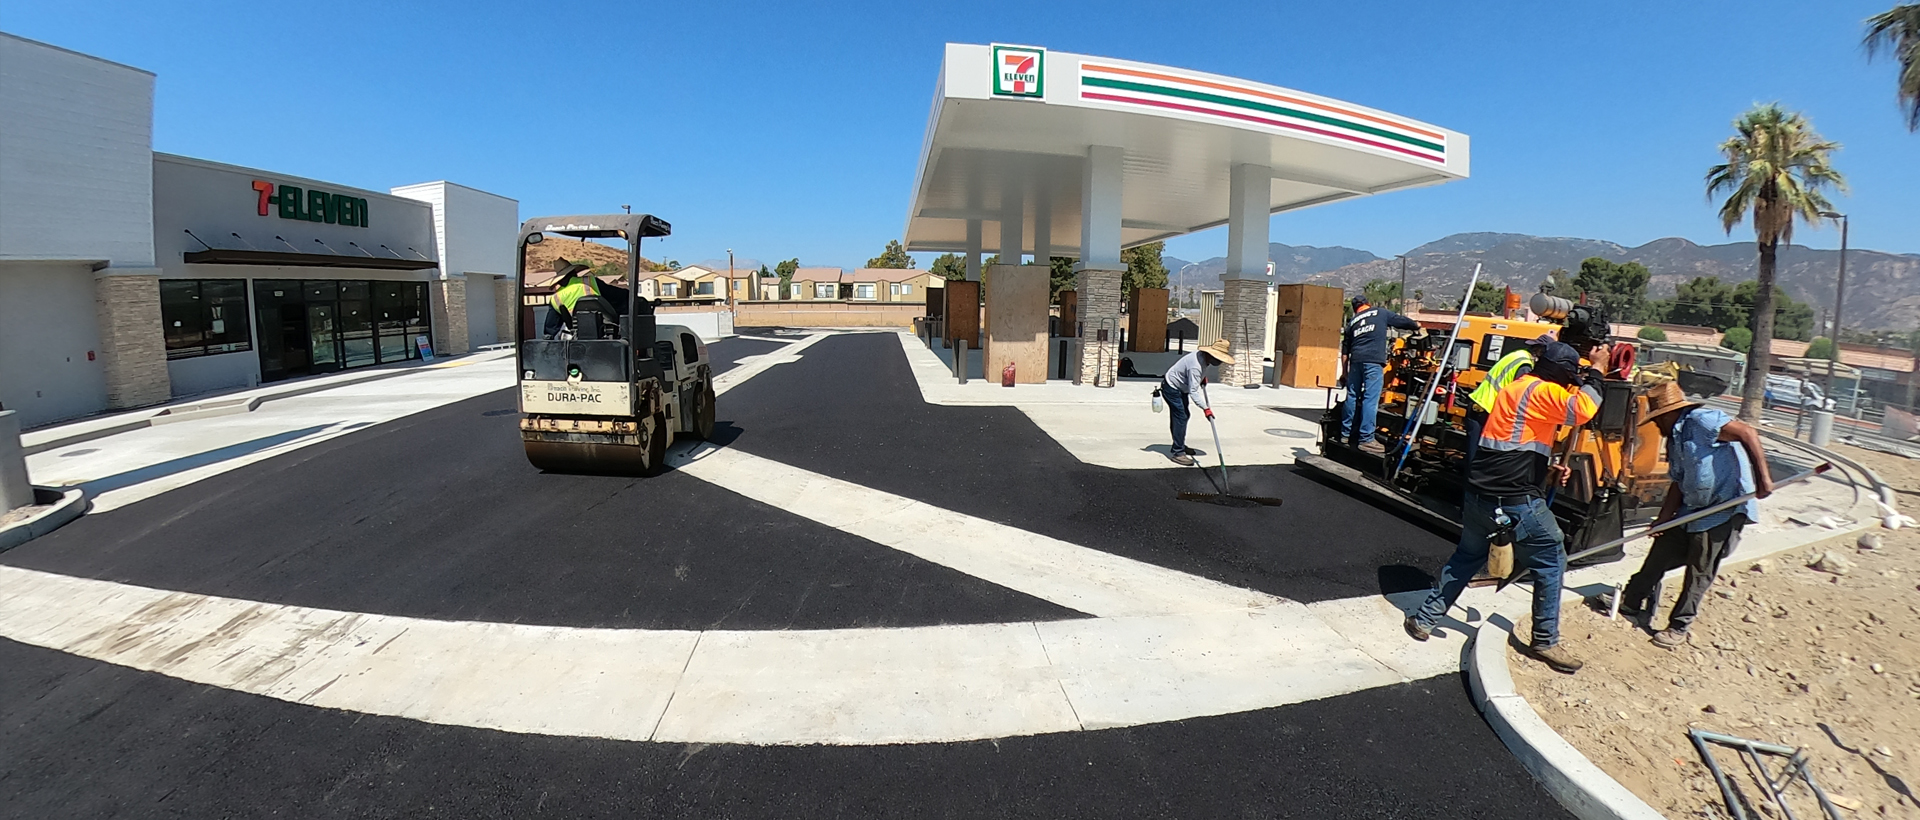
[1018,71]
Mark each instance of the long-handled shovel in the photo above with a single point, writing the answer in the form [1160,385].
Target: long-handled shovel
[1518,572]
[1225,496]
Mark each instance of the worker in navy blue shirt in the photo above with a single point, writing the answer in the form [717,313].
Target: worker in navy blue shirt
[1363,355]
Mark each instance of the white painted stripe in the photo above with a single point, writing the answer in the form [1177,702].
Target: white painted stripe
[853,686]
[1070,575]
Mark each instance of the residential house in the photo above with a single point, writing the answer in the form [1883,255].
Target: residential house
[809,284]
[886,285]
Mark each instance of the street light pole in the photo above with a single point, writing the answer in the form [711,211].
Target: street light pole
[729,277]
[1839,296]
[1401,306]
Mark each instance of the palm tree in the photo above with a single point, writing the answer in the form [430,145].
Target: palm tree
[1898,31]
[1776,167]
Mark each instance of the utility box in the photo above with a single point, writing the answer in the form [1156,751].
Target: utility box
[1147,320]
[1307,328]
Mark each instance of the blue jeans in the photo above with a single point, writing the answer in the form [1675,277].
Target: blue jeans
[1363,391]
[1537,545]
[1177,415]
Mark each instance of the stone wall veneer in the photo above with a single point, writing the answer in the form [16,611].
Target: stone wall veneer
[133,343]
[1099,299]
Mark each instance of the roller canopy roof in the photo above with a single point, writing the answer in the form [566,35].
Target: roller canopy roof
[1023,129]
[598,226]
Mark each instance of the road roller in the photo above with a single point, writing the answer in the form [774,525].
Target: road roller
[611,390]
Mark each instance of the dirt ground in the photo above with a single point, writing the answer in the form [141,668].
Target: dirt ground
[1780,653]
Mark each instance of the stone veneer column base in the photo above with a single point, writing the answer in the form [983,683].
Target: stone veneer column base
[133,343]
[506,308]
[449,316]
[1243,320]
[1098,299]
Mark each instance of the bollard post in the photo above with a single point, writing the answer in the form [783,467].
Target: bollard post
[1079,367]
[1279,360]
[1821,429]
[15,490]
[960,360]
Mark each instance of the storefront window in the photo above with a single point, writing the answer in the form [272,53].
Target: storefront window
[203,317]
[321,326]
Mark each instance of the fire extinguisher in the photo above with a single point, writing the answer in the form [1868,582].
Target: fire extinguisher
[1006,375]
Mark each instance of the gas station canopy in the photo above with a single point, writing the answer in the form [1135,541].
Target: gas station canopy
[1040,142]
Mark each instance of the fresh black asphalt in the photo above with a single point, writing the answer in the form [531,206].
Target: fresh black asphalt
[85,739]
[437,515]
[850,409]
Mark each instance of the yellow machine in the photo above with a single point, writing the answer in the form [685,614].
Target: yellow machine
[1618,468]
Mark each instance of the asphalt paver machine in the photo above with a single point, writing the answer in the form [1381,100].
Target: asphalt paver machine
[611,392]
[1618,470]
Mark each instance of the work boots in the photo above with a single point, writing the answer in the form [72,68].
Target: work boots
[1183,459]
[1556,658]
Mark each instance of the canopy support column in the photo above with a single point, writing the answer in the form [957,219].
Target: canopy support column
[973,250]
[1100,210]
[1243,304]
[1097,280]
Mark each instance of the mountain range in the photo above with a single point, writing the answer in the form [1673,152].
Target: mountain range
[1883,289]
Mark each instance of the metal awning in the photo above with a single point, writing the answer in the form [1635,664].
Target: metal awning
[224,256]
[1017,142]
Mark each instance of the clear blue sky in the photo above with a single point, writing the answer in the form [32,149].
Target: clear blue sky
[793,129]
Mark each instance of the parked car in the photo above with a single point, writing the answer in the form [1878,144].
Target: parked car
[1800,394]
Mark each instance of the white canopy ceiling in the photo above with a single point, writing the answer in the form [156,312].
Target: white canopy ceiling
[991,150]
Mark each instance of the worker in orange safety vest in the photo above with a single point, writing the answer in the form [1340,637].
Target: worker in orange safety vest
[1506,495]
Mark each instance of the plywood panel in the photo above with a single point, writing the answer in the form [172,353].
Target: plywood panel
[1017,322]
[1313,367]
[963,312]
[1147,320]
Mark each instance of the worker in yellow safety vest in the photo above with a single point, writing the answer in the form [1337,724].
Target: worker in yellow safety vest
[1511,366]
[572,282]
[1506,494]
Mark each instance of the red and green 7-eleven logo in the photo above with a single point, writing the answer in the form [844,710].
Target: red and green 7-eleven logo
[1017,71]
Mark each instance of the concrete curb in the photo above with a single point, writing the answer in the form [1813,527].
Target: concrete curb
[1580,786]
[1880,486]
[67,505]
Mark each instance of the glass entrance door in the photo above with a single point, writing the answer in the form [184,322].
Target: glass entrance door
[324,335]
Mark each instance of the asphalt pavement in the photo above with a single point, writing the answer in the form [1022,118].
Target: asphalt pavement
[437,515]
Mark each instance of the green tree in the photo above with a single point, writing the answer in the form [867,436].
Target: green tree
[1776,168]
[1706,302]
[1620,287]
[1381,292]
[1144,268]
[1791,319]
[786,270]
[1898,31]
[1059,276]
[1652,334]
[1821,348]
[1560,283]
[1487,298]
[1737,338]
[895,256]
[950,266]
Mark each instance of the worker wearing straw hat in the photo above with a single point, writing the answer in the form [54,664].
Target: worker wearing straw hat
[1712,458]
[1183,381]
